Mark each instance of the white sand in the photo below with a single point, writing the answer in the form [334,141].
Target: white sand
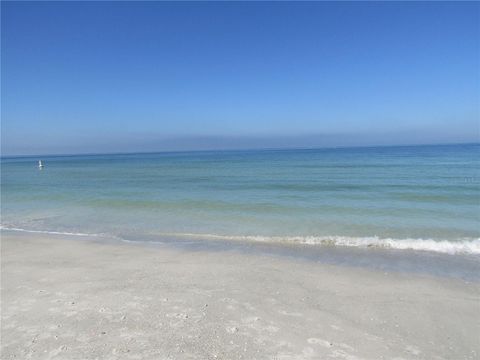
[71,299]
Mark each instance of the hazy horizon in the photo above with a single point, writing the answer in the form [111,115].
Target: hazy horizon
[246,149]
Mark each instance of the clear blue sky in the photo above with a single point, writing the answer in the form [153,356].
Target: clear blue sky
[146,76]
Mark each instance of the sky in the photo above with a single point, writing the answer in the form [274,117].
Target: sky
[89,77]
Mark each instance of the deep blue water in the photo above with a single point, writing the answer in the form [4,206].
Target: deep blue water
[421,197]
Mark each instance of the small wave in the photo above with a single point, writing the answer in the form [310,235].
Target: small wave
[47,232]
[461,246]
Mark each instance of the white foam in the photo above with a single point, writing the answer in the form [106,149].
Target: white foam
[460,246]
[47,232]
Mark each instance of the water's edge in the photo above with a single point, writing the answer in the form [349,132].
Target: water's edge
[466,246]
[407,261]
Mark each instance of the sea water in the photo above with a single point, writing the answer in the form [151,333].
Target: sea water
[408,197]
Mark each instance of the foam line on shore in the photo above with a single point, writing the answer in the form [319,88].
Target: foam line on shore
[48,232]
[459,246]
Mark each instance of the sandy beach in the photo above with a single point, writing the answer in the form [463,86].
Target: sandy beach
[83,299]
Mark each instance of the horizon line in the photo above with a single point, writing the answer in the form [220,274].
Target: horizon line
[239,149]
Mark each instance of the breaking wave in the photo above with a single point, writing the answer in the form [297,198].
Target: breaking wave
[460,246]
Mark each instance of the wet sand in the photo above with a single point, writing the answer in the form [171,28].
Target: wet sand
[79,299]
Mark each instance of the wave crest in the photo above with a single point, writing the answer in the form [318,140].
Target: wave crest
[460,246]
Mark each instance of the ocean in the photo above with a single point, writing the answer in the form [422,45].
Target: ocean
[423,198]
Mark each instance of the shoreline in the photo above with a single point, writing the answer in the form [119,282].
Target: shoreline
[405,261]
[466,247]
[64,298]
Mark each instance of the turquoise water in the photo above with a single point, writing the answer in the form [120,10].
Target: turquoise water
[417,197]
